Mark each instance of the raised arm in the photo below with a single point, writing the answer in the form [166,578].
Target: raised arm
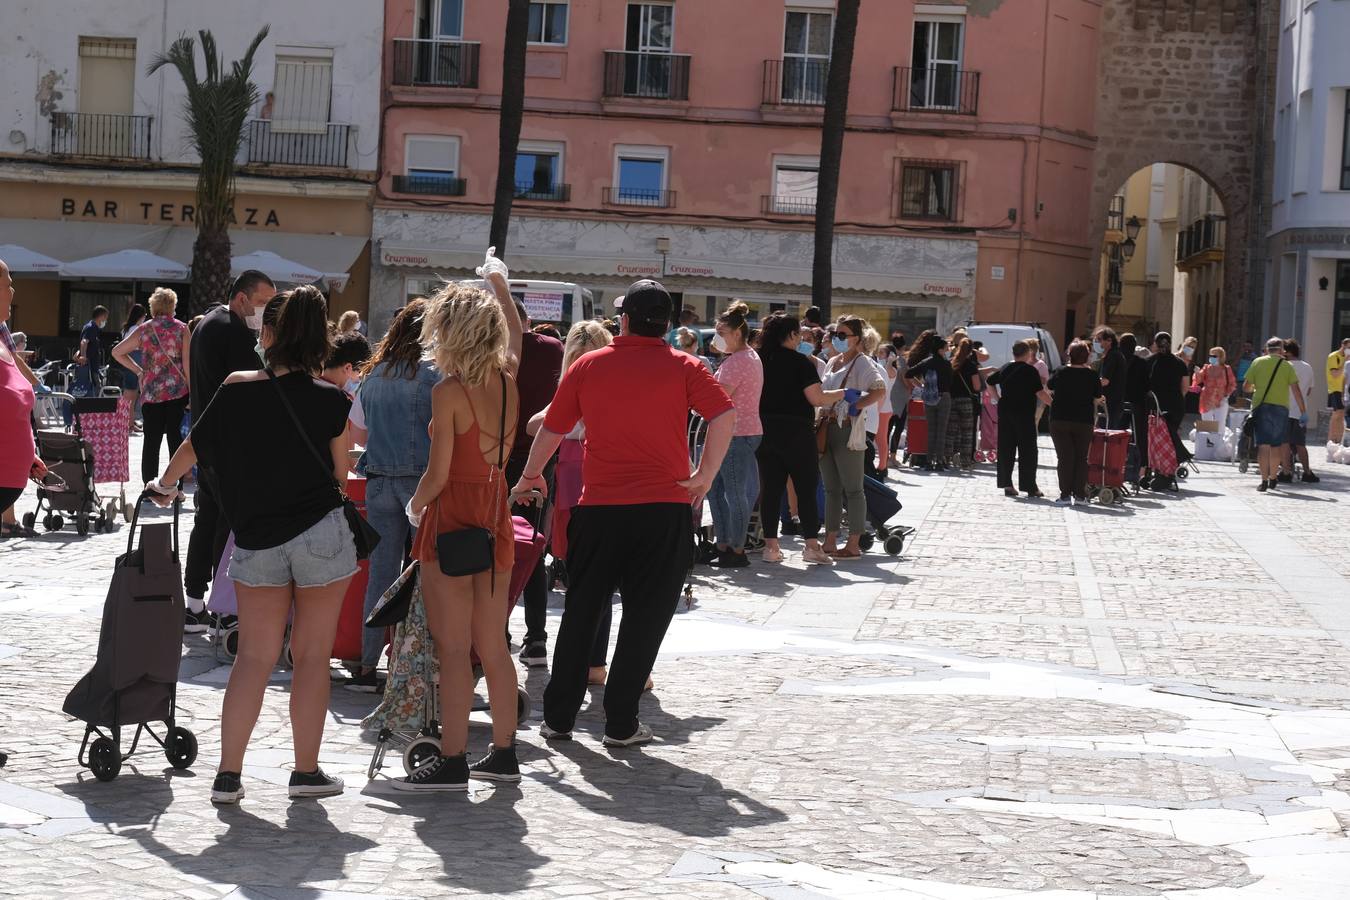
[495,273]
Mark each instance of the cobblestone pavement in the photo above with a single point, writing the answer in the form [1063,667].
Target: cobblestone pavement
[1032,700]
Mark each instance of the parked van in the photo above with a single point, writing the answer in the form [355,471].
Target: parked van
[558,303]
[998,340]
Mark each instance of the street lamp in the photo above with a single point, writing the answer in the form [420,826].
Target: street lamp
[1127,246]
[1132,229]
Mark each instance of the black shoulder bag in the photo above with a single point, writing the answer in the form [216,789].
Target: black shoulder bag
[1249,423]
[363,534]
[470,551]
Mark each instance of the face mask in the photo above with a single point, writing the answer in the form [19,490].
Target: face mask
[1187,351]
[719,343]
[351,386]
[840,344]
[946,354]
[1213,360]
[1097,347]
[254,321]
[806,348]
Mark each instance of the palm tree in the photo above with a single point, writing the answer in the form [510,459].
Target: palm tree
[512,112]
[832,151]
[215,109]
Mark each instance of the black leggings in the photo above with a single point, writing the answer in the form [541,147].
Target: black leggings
[896,426]
[788,449]
[162,420]
[8,496]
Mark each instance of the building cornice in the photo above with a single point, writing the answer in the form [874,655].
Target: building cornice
[13,171]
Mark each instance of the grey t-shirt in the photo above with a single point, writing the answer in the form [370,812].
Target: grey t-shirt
[900,390]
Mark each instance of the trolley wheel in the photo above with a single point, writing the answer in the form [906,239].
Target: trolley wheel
[1183,473]
[522,705]
[230,641]
[127,511]
[105,760]
[29,520]
[110,514]
[286,659]
[895,543]
[1106,496]
[1242,467]
[420,752]
[81,525]
[180,747]
[866,540]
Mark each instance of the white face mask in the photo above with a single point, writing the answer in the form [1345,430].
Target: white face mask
[719,343]
[254,321]
[351,386]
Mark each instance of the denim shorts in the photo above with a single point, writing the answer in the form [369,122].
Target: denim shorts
[1271,424]
[324,554]
[1336,400]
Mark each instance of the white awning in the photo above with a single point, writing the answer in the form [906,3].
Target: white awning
[20,259]
[126,265]
[275,267]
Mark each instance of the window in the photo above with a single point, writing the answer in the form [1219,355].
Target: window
[651,28]
[447,18]
[806,56]
[107,75]
[548,22]
[795,180]
[539,171]
[432,164]
[928,190]
[1345,144]
[936,79]
[640,176]
[302,90]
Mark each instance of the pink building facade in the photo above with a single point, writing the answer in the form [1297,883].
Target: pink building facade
[680,140]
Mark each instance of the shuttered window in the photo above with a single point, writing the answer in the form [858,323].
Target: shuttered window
[432,158]
[302,91]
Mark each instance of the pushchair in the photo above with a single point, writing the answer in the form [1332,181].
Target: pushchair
[409,713]
[96,451]
[134,679]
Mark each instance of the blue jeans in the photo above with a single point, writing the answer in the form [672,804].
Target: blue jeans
[386,496]
[734,492]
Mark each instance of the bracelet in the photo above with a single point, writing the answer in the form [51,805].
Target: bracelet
[528,477]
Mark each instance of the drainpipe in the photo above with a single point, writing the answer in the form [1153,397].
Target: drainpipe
[1257,200]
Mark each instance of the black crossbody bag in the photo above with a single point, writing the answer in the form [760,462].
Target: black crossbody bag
[1249,423]
[365,537]
[469,551]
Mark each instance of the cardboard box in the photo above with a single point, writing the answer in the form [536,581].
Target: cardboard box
[1204,425]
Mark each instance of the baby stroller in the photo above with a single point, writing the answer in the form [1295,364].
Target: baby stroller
[882,505]
[134,679]
[74,459]
[409,713]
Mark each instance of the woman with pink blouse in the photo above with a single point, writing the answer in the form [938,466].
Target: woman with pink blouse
[736,487]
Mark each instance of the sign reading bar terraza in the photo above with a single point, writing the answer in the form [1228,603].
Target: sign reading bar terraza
[168,213]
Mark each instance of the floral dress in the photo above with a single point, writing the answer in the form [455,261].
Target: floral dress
[162,377]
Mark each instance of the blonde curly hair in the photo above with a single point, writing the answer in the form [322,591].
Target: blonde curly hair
[582,339]
[464,333]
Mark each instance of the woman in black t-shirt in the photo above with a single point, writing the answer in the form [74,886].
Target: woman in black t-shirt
[929,356]
[1075,389]
[293,547]
[787,409]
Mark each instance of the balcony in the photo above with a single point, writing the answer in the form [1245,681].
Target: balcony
[435,62]
[432,185]
[616,196]
[771,205]
[1114,286]
[653,76]
[100,134]
[936,89]
[1201,243]
[321,145]
[1115,220]
[557,193]
[795,81]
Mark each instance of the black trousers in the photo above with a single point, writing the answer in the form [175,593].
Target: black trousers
[207,541]
[644,551]
[535,596]
[1072,441]
[789,450]
[1017,440]
[8,496]
[162,420]
[896,427]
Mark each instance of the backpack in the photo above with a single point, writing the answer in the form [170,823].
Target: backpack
[929,391]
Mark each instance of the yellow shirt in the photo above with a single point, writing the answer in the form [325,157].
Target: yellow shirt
[1336,380]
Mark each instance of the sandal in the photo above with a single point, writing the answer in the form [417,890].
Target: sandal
[771,556]
[12,529]
[847,554]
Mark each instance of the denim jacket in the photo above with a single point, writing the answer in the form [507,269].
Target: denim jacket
[398,411]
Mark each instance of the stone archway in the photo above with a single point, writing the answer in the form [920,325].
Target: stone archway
[1188,82]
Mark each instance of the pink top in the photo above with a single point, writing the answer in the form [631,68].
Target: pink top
[1216,383]
[742,375]
[16,431]
[162,359]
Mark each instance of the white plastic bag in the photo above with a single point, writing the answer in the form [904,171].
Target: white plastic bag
[857,437]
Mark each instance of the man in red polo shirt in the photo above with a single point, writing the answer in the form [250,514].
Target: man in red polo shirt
[632,529]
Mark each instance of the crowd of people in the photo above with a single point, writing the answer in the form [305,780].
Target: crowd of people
[465,413]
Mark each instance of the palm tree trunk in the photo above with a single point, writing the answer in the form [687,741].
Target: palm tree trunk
[210,269]
[513,110]
[832,152]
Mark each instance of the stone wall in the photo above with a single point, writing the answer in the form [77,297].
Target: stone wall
[1187,82]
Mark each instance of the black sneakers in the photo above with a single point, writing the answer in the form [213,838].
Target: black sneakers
[1285,477]
[499,765]
[1309,477]
[441,773]
[227,789]
[367,683]
[314,784]
[534,654]
[730,559]
[1264,485]
[195,622]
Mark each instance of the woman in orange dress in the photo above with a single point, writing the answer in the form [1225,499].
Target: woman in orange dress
[474,336]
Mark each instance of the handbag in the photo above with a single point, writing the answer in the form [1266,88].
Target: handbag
[363,535]
[469,551]
[823,421]
[393,605]
[1249,424]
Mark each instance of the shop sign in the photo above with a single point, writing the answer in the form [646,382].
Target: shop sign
[949,290]
[639,269]
[168,213]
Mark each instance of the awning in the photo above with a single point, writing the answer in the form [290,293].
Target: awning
[274,267]
[20,259]
[126,265]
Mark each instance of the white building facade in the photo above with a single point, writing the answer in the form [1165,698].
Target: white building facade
[96,157]
[1308,281]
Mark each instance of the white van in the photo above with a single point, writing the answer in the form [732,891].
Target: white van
[559,303]
[998,340]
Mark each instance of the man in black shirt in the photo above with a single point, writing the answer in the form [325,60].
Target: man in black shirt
[223,342]
[1019,386]
[1113,369]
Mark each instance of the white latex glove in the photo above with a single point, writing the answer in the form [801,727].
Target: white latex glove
[492,266]
[414,518]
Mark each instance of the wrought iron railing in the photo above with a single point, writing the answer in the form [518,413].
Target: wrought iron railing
[267,141]
[1201,235]
[431,184]
[771,205]
[620,196]
[101,134]
[1115,214]
[435,62]
[944,89]
[529,190]
[661,76]
[795,81]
